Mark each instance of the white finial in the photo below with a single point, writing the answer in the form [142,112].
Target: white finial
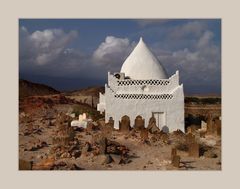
[141,39]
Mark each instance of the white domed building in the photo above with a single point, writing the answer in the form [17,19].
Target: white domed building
[143,88]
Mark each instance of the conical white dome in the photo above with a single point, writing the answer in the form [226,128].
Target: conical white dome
[142,64]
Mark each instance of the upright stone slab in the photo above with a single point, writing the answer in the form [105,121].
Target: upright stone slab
[107,131]
[139,123]
[173,153]
[176,161]
[194,150]
[190,138]
[210,124]
[152,127]
[218,127]
[125,124]
[111,122]
[64,134]
[203,125]
[25,165]
[219,131]
[102,145]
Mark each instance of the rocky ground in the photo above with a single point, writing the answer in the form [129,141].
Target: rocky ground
[48,142]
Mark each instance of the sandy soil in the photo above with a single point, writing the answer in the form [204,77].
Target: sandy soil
[141,156]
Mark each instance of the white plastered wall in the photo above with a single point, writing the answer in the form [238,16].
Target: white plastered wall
[118,107]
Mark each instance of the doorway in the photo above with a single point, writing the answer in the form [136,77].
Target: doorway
[160,119]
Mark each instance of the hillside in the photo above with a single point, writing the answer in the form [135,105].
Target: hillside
[27,88]
[90,91]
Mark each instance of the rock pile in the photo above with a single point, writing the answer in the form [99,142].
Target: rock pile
[105,148]
[31,129]
[36,145]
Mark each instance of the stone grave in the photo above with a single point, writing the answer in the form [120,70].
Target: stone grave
[124,124]
[139,123]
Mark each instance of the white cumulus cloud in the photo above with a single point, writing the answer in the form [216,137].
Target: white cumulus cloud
[112,52]
[43,47]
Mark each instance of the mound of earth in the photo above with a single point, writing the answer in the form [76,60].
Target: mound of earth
[27,88]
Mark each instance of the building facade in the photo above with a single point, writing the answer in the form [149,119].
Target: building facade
[142,88]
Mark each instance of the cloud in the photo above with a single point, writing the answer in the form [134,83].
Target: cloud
[189,29]
[112,52]
[198,64]
[188,46]
[176,34]
[194,53]
[48,52]
[205,39]
[44,47]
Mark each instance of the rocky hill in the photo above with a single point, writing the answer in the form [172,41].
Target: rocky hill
[27,88]
[90,91]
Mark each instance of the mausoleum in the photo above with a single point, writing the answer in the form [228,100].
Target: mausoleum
[143,88]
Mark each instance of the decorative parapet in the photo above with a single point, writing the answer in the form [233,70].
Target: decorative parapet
[119,84]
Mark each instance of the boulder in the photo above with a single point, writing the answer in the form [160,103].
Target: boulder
[85,148]
[105,159]
[124,160]
[209,154]
[76,154]
[114,147]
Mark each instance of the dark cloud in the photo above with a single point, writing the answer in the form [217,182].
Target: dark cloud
[188,47]
[47,52]
[149,22]
[199,65]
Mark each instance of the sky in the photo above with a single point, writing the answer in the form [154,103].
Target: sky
[69,54]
